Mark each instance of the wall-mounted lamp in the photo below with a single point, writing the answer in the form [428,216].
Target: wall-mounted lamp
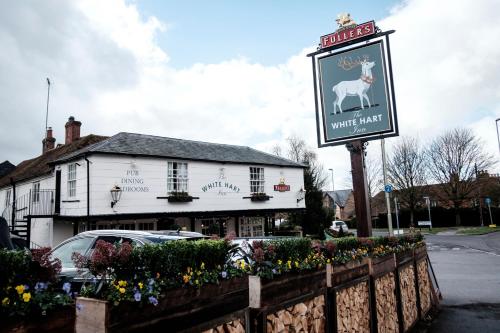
[116,194]
[301,195]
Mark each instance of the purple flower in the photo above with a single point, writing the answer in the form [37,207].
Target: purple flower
[224,274]
[67,287]
[153,300]
[39,286]
[275,271]
[26,287]
[137,296]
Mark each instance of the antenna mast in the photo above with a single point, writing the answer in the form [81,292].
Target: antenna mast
[47,113]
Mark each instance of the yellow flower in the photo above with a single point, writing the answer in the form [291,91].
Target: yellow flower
[140,284]
[26,297]
[20,289]
[280,262]
[297,264]
[186,278]
[122,283]
[5,301]
[289,264]
[242,264]
[189,269]
[196,282]
[202,265]
[122,290]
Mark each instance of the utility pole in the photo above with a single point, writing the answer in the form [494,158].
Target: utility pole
[397,212]
[47,112]
[428,201]
[387,198]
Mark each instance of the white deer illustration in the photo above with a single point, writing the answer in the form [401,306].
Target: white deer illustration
[357,87]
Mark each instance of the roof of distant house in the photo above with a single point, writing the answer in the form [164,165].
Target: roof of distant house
[39,166]
[156,146]
[6,168]
[340,196]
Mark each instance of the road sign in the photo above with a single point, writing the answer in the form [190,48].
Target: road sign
[424,223]
[388,188]
[487,201]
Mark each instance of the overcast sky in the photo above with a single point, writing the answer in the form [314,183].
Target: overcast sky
[234,72]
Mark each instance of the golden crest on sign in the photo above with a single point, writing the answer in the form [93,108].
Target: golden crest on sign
[344,20]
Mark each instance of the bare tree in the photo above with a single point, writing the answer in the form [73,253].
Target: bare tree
[315,218]
[373,175]
[453,157]
[407,171]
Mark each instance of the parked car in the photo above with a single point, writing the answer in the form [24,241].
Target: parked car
[337,225]
[85,242]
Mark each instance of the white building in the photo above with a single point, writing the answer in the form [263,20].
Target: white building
[143,182]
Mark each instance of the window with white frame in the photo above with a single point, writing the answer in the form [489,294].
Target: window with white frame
[7,198]
[252,227]
[177,178]
[35,195]
[72,180]
[256,180]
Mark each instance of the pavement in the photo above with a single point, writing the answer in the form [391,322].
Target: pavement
[468,272]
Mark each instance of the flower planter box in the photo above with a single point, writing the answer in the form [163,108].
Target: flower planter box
[260,198]
[349,296]
[293,303]
[407,290]
[178,309]
[385,314]
[175,199]
[60,320]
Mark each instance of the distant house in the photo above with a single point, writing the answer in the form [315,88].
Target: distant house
[488,185]
[6,168]
[342,201]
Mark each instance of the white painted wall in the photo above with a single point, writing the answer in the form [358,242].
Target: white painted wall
[107,171]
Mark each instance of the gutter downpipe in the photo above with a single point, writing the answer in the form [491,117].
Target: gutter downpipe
[88,188]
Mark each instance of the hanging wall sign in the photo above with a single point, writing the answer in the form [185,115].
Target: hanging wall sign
[353,86]
[282,187]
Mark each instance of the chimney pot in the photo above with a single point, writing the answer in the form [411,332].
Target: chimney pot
[72,130]
[48,142]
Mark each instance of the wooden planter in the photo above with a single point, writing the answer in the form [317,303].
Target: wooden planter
[178,310]
[349,296]
[291,303]
[385,313]
[423,281]
[61,320]
[260,198]
[408,291]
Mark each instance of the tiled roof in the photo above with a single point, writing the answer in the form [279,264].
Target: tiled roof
[340,197]
[148,145]
[39,166]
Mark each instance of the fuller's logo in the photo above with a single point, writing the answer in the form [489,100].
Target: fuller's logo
[347,30]
[282,187]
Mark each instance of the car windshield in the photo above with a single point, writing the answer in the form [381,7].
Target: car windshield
[65,251]
[339,224]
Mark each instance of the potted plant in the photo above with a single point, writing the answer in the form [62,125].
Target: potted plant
[180,196]
[259,196]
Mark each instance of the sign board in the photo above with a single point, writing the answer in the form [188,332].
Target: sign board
[388,188]
[282,188]
[354,93]
[348,34]
[424,223]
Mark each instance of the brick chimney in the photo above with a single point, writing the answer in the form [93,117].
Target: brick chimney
[48,142]
[72,130]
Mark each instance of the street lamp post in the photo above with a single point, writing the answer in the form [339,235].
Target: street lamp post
[498,136]
[333,197]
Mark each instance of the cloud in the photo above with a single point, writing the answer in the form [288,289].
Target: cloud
[109,71]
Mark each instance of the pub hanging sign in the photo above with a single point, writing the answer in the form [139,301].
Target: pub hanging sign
[354,91]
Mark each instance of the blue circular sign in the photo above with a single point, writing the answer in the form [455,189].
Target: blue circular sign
[487,201]
[388,188]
